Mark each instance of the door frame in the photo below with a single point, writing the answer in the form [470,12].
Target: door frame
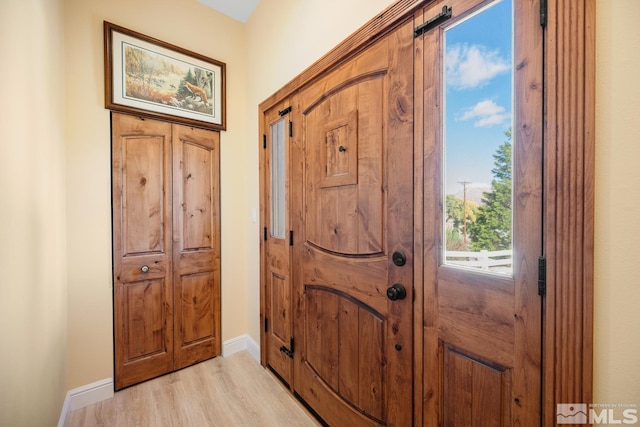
[568,183]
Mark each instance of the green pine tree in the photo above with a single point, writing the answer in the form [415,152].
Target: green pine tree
[492,229]
[182,89]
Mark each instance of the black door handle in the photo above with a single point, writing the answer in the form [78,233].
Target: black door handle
[396,292]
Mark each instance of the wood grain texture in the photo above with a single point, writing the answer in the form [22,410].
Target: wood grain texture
[196,247]
[232,391]
[345,215]
[569,211]
[495,319]
[349,231]
[475,393]
[142,216]
[166,234]
[276,275]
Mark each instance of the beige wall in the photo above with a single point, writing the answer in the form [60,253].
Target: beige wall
[188,24]
[33,299]
[617,267]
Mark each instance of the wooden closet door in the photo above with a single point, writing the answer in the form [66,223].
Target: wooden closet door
[166,247]
[353,233]
[142,249]
[196,247]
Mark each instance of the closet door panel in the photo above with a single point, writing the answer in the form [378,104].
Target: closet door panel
[142,246]
[196,245]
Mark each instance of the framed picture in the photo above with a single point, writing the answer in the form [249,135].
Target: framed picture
[152,78]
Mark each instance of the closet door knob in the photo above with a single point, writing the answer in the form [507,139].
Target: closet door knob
[144,268]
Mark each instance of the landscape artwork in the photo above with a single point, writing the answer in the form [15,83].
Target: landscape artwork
[160,79]
[151,77]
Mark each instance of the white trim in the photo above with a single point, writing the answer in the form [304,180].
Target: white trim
[65,411]
[241,343]
[103,390]
[254,349]
[85,396]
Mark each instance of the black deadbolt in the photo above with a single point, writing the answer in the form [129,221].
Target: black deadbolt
[399,258]
[396,292]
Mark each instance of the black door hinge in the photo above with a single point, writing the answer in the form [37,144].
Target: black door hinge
[433,22]
[290,129]
[542,276]
[266,324]
[264,141]
[288,351]
[285,111]
[290,237]
[543,13]
[265,234]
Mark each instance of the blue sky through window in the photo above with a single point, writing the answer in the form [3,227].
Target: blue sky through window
[478,94]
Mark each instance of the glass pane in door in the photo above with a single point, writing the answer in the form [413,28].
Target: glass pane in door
[478,117]
[278,181]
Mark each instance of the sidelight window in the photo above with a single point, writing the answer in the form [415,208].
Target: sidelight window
[477,138]
[278,181]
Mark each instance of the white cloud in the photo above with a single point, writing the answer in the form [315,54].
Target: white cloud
[482,108]
[493,120]
[470,66]
[487,113]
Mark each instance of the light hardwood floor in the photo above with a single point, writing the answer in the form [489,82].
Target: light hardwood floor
[231,391]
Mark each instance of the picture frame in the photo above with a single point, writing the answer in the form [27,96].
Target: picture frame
[152,78]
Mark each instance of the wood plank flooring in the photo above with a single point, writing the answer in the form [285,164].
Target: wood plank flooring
[232,391]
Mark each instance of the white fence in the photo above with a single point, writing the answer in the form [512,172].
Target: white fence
[483,260]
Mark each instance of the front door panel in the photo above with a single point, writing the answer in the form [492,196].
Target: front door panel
[354,209]
[482,312]
[277,307]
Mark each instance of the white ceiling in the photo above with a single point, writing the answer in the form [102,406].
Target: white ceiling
[237,9]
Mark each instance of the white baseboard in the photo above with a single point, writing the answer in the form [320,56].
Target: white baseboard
[102,390]
[85,396]
[241,343]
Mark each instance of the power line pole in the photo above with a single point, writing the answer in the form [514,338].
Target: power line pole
[464,209]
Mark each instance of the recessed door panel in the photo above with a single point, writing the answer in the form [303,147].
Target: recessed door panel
[345,202]
[474,390]
[198,303]
[142,198]
[144,321]
[197,192]
[344,342]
